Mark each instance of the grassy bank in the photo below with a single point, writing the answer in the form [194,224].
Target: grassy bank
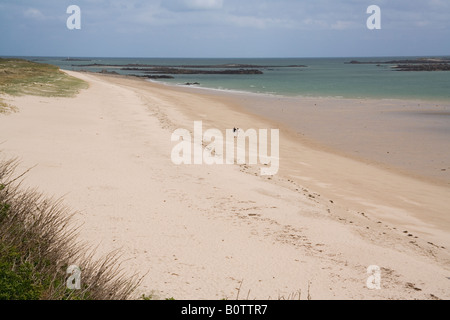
[22,77]
[38,244]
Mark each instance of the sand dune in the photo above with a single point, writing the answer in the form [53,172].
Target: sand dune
[197,232]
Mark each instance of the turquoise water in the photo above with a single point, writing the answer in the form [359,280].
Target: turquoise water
[324,77]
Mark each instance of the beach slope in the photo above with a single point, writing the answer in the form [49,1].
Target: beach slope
[225,231]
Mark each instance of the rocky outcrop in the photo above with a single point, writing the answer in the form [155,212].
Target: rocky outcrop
[104,71]
[138,67]
[423,67]
[413,61]
[170,70]
[164,72]
[148,76]
[422,64]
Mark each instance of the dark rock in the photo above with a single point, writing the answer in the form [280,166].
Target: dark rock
[423,67]
[170,70]
[414,61]
[104,71]
[75,59]
[156,77]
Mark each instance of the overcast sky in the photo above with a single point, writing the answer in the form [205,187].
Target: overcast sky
[224,28]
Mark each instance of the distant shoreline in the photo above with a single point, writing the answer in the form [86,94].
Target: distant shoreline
[310,77]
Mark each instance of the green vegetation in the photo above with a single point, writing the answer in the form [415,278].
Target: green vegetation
[37,245]
[16,278]
[6,108]
[22,77]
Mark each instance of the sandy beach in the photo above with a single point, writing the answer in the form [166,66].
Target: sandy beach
[204,231]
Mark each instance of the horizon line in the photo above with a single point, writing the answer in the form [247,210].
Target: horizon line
[161,57]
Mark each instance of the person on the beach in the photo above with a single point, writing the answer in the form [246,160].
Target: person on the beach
[236,131]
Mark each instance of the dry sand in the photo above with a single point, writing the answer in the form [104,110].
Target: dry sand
[197,232]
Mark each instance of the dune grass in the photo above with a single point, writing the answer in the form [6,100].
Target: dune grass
[38,243]
[37,240]
[22,77]
[6,108]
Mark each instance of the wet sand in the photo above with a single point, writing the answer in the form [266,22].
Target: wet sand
[408,136]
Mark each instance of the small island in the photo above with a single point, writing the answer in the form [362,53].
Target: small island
[422,64]
[165,72]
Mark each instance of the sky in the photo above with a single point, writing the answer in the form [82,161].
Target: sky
[224,28]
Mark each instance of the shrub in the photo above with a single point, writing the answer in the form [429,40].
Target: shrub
[38,243]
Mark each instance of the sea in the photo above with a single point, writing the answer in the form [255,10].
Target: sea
[292,77]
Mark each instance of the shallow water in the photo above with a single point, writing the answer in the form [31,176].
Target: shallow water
[405,135]
[324,77]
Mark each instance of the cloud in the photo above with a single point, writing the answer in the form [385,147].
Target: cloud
[34,14]
[342,25]
[193,5]
[315,24]
[257,22]
[222,27]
